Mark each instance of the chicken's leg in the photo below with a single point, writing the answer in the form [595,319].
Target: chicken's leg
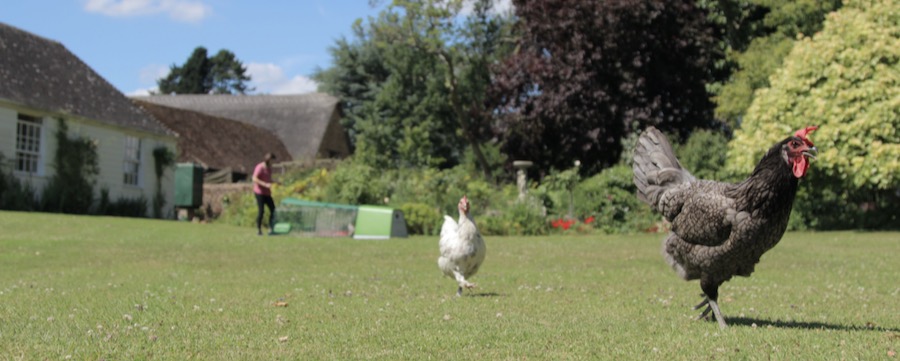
[711,291]
[711,305]
[715,308]
[462,282]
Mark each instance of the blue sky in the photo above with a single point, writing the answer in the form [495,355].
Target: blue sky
[131,43]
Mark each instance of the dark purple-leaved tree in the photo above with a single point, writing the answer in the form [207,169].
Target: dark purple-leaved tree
[587,73]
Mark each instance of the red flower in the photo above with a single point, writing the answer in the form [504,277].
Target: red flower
[564,223]
[556,223]
[589,220]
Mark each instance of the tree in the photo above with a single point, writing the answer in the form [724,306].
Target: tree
[756,35]
[392,98]
[220,74]
[355,77]
[227,74]
[587,73]
[845,80]
[704,154]
[413,83]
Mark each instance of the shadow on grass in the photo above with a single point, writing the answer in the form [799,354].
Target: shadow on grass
[744,321]
[484,294]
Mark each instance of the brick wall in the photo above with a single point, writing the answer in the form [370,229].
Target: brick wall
[214,193]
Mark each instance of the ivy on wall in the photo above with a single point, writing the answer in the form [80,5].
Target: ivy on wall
[71,188]
[163,158]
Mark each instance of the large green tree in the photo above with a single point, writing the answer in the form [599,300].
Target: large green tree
[356,76]
[413,82]
[756,35]
[845,79]
[587,73]
[222,73]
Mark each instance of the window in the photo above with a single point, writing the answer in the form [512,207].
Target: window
[132,163]
[28,144]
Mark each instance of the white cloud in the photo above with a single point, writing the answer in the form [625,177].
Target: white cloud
[142,92]
[265,73]
[269,78]
[296,85]
[190,11]
[153,72]
[148,75]
[501,7]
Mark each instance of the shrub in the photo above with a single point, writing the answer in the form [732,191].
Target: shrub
[123,207]
[517,219]
[610,197]
[843,79]
[240,210]
[425,194]
[421,218]
[356,183]
[14,195]
[703,154]
[823,204]
[128,207]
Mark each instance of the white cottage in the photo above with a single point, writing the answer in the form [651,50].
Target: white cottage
[42,82]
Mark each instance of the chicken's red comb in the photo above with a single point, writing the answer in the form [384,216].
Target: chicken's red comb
[802,133]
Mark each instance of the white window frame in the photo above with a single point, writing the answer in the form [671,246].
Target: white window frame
[131,166]
[29,143]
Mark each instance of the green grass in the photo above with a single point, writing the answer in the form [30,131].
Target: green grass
[120,289]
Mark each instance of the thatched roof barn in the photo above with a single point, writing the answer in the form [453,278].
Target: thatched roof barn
[217,143]
[308,124]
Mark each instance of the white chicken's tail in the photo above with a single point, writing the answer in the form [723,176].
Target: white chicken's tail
[655,167]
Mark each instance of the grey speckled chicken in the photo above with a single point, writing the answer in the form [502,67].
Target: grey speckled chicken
[720,230]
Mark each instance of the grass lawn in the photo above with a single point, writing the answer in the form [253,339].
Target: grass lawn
[91,288]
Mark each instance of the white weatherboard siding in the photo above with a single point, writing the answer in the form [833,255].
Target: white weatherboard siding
[111,157]
[110,141]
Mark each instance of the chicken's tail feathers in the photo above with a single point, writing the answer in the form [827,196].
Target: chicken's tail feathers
[655,166]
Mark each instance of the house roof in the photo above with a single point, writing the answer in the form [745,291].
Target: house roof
[217,142]
[300,121]
[43,74]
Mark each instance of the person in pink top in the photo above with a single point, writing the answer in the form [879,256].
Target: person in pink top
[262,189]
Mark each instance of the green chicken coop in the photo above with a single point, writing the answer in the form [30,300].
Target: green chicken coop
[375,222]
[318,219]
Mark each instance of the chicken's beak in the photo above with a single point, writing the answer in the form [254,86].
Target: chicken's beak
[812,152]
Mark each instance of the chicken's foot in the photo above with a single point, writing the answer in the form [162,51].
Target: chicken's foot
[462,282]
[711,305]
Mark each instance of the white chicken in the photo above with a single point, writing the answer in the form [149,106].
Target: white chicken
[462,248]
